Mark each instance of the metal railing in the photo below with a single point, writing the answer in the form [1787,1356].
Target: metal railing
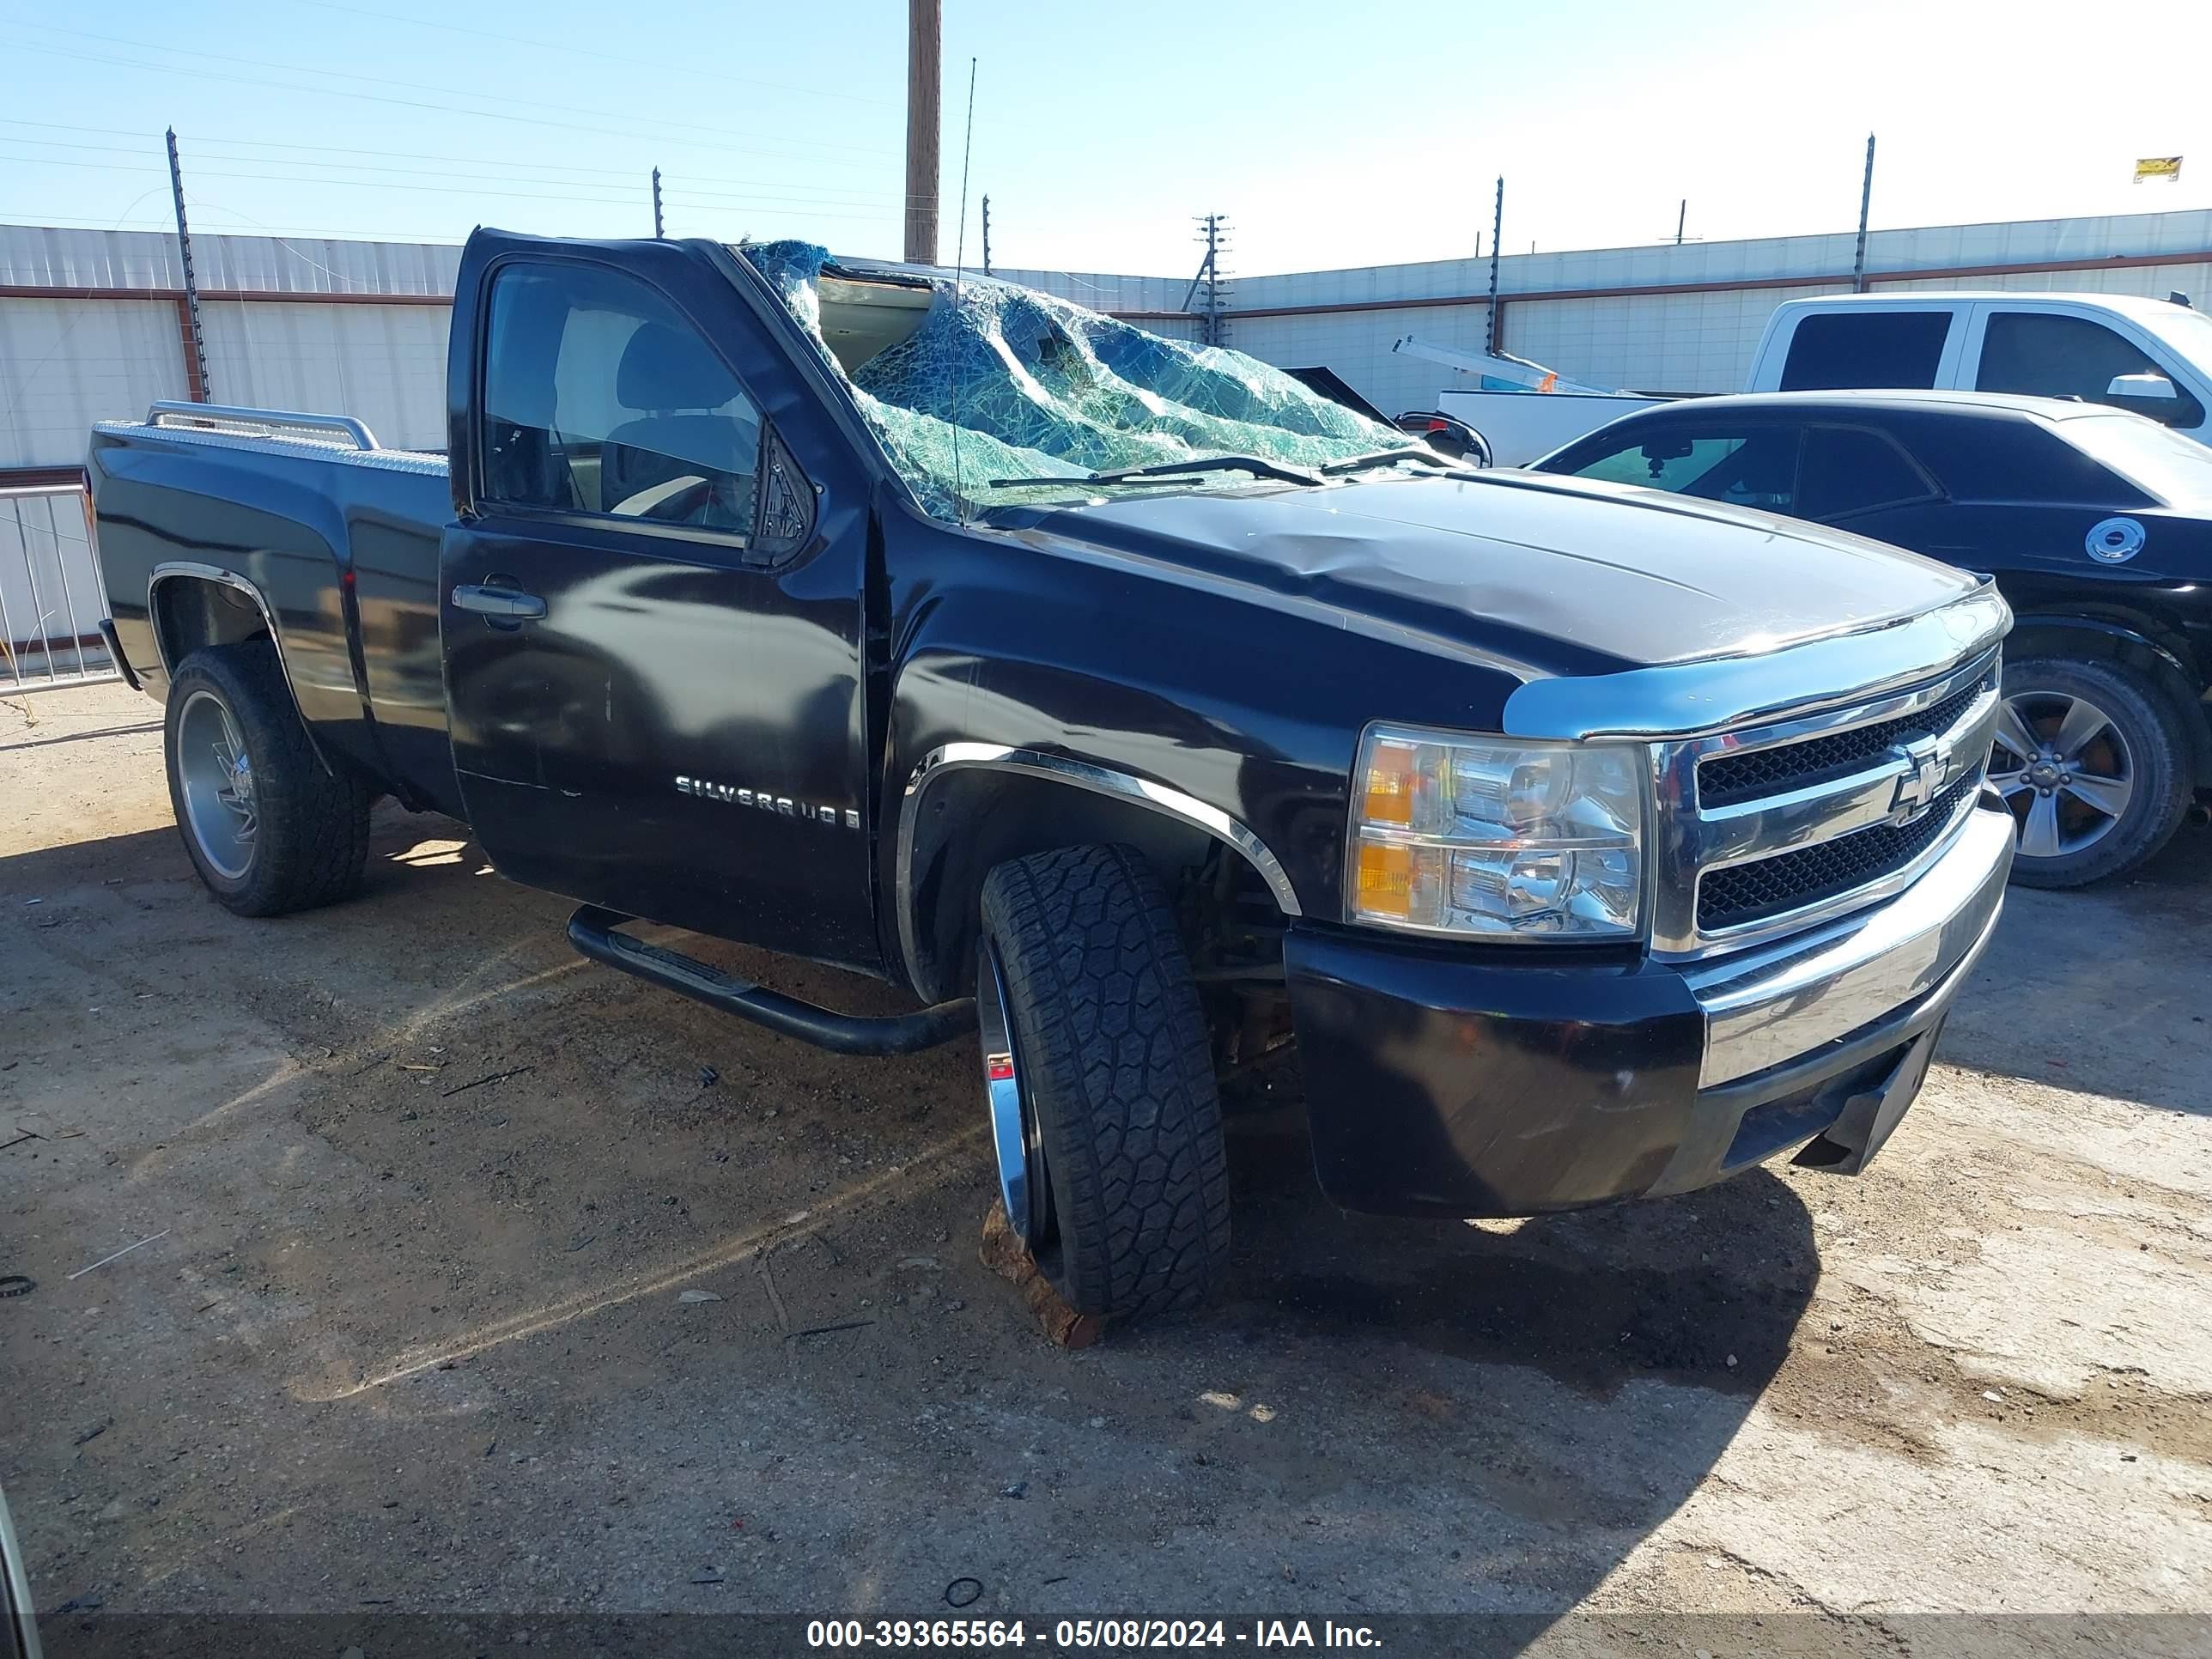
[51,596]
[270,422]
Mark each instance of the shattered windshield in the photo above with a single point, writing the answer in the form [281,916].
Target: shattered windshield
[1042,394]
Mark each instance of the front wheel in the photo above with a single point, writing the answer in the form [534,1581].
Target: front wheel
[269,829]
[2095,766]
[1099,1078]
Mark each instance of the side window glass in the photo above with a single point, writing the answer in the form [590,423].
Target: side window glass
[600,397]
[1835,351]
[2047,355]
[1753,468]
[2009,457]
[1847,470]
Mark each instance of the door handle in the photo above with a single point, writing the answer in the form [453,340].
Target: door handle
[503,603]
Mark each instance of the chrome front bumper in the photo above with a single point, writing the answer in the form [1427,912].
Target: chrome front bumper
[1446,1083]
[1766,1006]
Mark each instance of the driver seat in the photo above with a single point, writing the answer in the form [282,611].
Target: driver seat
[681,384]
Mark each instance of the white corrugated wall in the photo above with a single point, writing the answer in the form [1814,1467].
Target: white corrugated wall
[1357,345]
[385,365]
[2153,281]
[40,256]
[66,363]
[1651,342]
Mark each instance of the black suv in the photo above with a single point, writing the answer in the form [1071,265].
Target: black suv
[2098,527]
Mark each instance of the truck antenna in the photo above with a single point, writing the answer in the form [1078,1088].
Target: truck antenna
[959,272]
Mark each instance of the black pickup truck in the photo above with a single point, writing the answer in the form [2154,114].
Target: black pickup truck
[1114,696]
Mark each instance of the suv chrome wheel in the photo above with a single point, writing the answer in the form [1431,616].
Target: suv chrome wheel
[217,774]
[2065,770]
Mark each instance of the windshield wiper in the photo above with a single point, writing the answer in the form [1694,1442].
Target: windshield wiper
[1254,464]
[1391,458]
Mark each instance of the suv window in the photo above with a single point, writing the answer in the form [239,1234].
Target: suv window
[600,397]
[1996,455]
[1837,351]
[1756,468]
[1847,469]
[2047,355]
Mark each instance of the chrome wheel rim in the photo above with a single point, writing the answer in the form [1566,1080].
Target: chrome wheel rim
[1013,1128]
[2065,770]
[217,774]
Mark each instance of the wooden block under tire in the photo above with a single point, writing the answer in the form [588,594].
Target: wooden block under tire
[1003,1252]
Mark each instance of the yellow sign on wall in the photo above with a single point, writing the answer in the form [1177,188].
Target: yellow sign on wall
[2159,167]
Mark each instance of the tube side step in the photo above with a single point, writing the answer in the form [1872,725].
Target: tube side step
[594,932]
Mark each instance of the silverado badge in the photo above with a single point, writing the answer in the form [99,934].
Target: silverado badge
[765,800]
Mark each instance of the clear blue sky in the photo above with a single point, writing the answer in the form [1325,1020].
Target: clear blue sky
[1331,134]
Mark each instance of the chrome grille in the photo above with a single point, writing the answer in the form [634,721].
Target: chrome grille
[1741,775]
[1770,828]
[1752,892]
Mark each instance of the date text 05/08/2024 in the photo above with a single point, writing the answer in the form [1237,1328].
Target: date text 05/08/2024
[1087,1634]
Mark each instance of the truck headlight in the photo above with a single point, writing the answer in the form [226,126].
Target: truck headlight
[1496,838]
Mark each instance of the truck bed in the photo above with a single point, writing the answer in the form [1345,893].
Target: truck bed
[326,532]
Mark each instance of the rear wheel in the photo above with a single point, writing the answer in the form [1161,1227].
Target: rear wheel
[1099,1081]
[2094,764]
[267,827]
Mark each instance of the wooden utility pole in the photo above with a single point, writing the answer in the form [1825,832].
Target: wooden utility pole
[924,31]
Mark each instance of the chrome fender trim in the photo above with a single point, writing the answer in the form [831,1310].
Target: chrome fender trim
[214,572]
[1082,774]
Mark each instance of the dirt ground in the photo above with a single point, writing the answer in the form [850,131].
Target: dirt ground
[430,1198]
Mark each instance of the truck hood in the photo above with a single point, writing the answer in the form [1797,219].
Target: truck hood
[1550,575]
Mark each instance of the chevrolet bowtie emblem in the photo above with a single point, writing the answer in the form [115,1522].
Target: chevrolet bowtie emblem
[1927,768]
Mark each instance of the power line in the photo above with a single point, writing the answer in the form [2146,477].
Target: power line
[777,201]
[96,167]
[575,176]
[845,194]
[403,103]
[362,184]
[57,143]
[840,196]
[716,75]
[436,190]
[348,232]
[790,209]
[327,149]
[123,221]
[29,215]
[408,86]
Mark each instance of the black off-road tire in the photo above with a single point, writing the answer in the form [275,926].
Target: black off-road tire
[2158,745]
[311,840]
[1117,1069]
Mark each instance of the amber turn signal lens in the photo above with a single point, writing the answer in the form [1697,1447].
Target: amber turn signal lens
[1388,796]
[1386,879]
